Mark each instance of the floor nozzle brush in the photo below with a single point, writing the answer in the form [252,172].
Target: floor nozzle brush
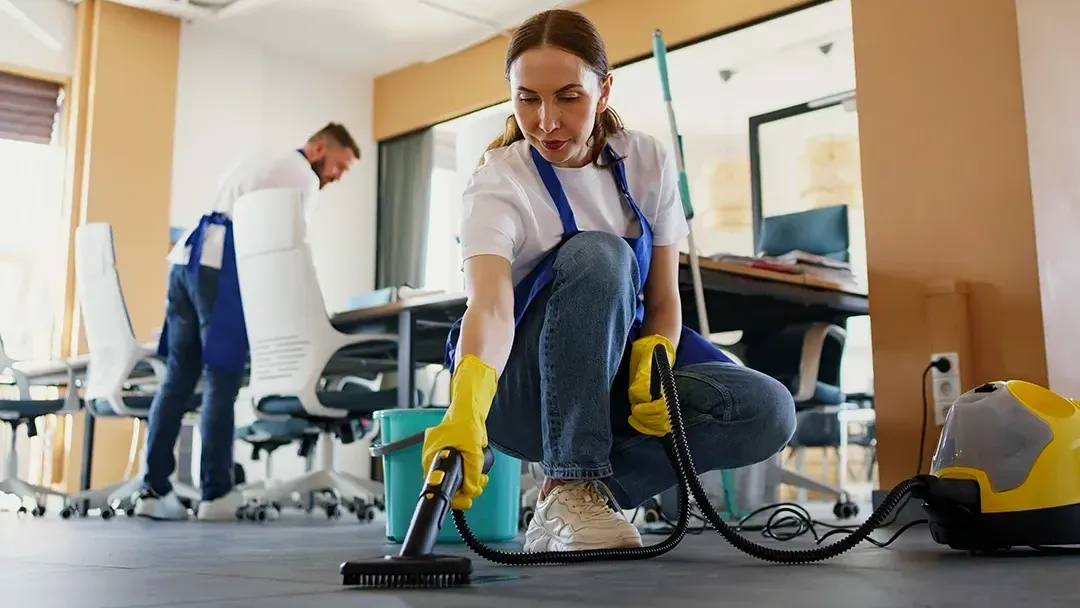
[416,566]
[396,572]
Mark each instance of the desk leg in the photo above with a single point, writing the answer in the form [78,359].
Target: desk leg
[406,361]
[87,456]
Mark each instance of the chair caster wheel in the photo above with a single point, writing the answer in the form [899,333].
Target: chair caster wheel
[67,512]
[526,517]
[333,511]
[22,511]
[652,516]
[108,513]
[38,511]
[365,514]
[845,509]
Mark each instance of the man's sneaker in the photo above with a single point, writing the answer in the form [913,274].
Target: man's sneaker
[163,508]
[224,508]
[578,516]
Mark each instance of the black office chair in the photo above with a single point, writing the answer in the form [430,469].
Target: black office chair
[822,231]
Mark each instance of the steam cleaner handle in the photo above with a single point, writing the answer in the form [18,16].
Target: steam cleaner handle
[444,479]
[654,380]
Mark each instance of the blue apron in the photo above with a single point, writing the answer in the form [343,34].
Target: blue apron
[225,343]
[693,348]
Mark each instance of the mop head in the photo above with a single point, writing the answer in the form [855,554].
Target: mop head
[394,572]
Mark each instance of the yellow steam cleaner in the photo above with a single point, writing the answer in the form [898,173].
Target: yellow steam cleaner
[1004,475]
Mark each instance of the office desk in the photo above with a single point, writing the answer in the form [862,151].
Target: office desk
[737,297]
[421,324]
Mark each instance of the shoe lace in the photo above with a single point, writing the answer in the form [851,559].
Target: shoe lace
[590,499]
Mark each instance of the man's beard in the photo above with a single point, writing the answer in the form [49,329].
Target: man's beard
[317,167]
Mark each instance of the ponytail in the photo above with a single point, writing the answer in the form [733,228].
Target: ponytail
[608,124]
[511,133]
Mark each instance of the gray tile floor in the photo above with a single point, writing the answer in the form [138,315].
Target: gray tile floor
[90,563]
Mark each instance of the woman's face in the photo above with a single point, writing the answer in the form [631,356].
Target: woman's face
[556,101]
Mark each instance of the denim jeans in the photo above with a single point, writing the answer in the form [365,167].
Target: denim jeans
[562,398]
[188,309]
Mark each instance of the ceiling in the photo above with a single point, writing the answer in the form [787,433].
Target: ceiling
[366,36]
[775,64]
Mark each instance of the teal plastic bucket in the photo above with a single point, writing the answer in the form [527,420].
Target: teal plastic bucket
[494,515]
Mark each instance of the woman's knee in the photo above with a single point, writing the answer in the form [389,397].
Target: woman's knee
[742,397]
[602,259]
[777,409]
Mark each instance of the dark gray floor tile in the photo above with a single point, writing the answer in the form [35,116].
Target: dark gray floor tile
[91,563]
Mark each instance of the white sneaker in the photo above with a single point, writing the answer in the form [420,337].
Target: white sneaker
[161,508]
[577,516]
[221,509]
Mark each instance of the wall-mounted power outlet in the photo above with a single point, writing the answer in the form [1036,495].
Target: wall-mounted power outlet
[946,385]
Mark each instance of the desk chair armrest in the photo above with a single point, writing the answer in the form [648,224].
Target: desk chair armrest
[157,366]
[810,361]
[7,368]
[340,383]
[72,402]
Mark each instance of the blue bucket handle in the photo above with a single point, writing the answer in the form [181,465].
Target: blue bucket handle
[379,450]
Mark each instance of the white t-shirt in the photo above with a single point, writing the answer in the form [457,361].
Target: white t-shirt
[508,212]
[257,172]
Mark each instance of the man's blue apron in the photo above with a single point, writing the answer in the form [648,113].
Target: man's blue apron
[692,348]
[225,344]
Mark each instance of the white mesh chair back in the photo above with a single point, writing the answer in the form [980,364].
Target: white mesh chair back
[289,332]
[114,351]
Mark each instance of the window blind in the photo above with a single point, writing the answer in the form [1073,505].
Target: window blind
[28,108]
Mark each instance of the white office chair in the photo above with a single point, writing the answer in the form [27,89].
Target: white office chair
[24,410]
[292,341]
[121,374]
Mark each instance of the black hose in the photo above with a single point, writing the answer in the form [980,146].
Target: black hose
[679,455]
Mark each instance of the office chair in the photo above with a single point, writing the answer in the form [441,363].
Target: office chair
[821,231]
[25,410]
[122,374]
[291,341]
[807,357]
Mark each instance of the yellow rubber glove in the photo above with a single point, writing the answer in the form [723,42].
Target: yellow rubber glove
[648,416]
[464,426]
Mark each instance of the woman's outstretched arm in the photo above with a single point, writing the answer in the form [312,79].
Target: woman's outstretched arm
[487,329]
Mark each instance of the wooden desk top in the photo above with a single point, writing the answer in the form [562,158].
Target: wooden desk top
[808,280]
[455,299]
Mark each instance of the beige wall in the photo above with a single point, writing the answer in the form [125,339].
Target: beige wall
[947,196]
[1049,48]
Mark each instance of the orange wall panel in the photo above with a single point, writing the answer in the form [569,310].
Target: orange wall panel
[428,93]
[947,196]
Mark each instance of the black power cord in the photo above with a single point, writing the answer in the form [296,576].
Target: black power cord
[789,521]
[689,486]
[943,365]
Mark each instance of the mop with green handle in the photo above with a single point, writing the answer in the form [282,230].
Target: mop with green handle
[660,52]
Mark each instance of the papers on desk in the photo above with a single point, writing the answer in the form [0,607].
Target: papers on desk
[389,295]
[406,292]
[764,262]
[824,271]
